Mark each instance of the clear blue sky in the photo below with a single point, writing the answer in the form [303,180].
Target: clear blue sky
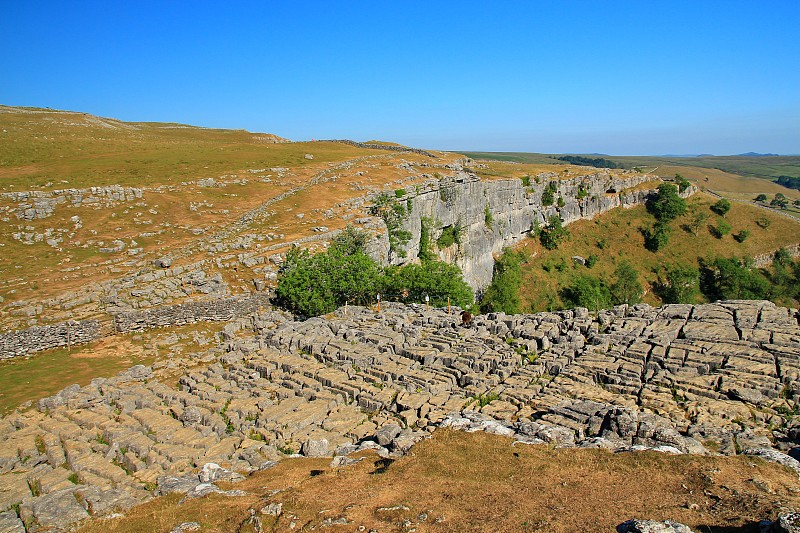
[637,77]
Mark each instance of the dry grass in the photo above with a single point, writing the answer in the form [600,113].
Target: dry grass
[726,183]
[479,482]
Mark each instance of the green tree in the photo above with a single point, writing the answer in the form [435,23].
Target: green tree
[502,295]
[438,280]
[732,279]
[667,205]
[721,207]
[554,233]
[681,285]
[657,237]
[722,228]
[742,235]
[626,289]
[587,291]
[350,241]
[312,285]
[761,198]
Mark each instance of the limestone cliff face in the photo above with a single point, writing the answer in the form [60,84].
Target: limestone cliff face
[499,213]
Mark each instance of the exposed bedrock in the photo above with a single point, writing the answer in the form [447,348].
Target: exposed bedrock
[500,213]
[714,378]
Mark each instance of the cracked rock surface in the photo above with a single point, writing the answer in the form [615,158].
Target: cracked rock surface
[714,378]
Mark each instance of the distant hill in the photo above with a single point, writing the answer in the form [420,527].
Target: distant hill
[756,154]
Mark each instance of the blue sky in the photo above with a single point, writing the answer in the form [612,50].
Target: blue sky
[636,77]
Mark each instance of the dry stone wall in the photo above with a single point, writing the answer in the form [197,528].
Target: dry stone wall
[390,147]
[38,338]
[215,310]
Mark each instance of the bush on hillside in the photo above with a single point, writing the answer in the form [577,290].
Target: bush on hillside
[626,289]
[680,285]
[503,293]
[657,237]
[667,205]
[721,207]
[733,279]
[312,285]
[554,233]
[435,279]
[587,291]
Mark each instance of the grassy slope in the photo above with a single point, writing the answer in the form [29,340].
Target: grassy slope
[77,150]
[620,232]
[760,167]
[479,482]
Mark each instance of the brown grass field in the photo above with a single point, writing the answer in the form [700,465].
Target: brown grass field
[479,482]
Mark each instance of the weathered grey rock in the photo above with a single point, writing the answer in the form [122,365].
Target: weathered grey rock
[163,262]
[56,510]
[651,526]
[775,457]
[173,484]
[10,523]
[387,434]
[316,448]
[184,527]
[212,472]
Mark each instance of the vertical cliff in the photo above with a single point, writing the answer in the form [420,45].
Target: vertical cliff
[487,216]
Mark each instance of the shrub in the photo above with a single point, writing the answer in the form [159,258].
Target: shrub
[626,289]
[399,193]
[487,216]
[587,291]
[591,261]
[657,237]
[761,198]
[721,207]
[666,205]
[554,233]
[503,293]
[312,285]
[722,228]
[549,194]
[742,235]
[732,279]
[763,222]
[561,202]
[681,284]
[526,181]
[393,214]
[582,192]
[425,253]
[435,279]
[683,183]
[450,235]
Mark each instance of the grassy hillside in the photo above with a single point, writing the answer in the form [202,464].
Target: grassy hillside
[618,235]
[59,149]
[769,167]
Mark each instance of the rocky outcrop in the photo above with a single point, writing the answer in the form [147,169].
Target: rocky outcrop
[492,215]
[714,378]
[42,204]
